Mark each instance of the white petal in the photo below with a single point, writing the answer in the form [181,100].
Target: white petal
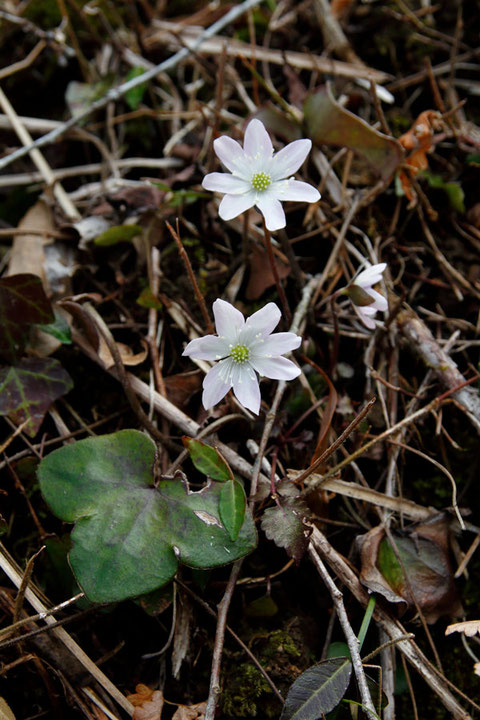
[265,320]
[228,320]
[364,313]
[295,190]
[380,301]
[245,387]
[216,384]
[209,347]
[371,276]
[232,156]
[276,344]
[224,183]
[278,368]
[257,144]
[288,160]
[233,205]
[272,211]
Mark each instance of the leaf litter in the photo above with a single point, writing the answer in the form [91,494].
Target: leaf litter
[395,166]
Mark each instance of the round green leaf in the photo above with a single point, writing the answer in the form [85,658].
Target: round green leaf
[129,535]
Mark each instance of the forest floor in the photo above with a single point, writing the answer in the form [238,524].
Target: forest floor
[348,501]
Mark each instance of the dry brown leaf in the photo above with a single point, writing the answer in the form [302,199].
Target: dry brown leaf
[468,627]
[261,276]
[28,251]
[182,386]
[5,711]
[190,712]
[476,668]
[148,703]
[418,142]
[126,353]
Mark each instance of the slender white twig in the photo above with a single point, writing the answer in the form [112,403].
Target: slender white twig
[116,93]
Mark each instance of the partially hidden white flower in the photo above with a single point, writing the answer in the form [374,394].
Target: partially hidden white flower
[258,176]
[243,349]
[367,301]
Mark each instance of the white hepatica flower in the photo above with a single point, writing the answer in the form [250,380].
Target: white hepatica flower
[258,177]
[244,348]
[367,301]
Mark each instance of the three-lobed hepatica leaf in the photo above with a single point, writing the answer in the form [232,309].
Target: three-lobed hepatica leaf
[22,303]
[28,388]
[317,690]
[131,534]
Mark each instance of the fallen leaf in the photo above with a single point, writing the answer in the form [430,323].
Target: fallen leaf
[148,703]
[468,627]
[417,142]
[425,558]
[190,712]
[285,526]
[182,386]
[261,275]
[329,123]
[28,253]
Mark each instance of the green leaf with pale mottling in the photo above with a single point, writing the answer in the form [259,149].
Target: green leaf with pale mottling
[131,532]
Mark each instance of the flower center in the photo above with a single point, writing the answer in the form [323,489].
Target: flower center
[261,181]
[239,354]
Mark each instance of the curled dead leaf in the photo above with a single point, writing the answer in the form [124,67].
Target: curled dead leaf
[148,703]
[417,141]
[468,627]
[190,712]
[417,571]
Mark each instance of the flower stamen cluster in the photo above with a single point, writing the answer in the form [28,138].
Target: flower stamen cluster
[261,181]
[239,354]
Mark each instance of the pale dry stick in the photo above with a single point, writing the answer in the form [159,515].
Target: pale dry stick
[119,91]
[333,36]
[25,63]
[9,567]
[422,342]
[187,34]
[40,616]
[392,627]
[61,196]
[349,635]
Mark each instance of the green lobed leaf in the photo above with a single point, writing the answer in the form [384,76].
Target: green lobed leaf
[118,234]
[131,534]
[317,690]
[29,388]
[207,459]
[232,505]
[328,123]
[22,302]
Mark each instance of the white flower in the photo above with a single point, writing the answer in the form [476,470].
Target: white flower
[258,177]
[244,348]
[367,301]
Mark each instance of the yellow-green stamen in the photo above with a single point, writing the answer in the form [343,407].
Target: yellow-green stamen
[261,181]
[239,354]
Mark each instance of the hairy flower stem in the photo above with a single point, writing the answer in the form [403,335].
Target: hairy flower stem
[276,276]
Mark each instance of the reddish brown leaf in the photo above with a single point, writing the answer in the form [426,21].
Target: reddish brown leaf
[261,275]
[190,712]
[417,142]
[148,703]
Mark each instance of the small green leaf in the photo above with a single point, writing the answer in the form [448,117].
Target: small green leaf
[232,505]
[134,96]
[131,532]
[208,460]
[318,690]
[118,234]
[454,190]
[59,329]
[29,388]
[147,299]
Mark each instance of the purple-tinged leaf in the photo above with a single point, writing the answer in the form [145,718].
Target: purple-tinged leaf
[29,388]
[22,302]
